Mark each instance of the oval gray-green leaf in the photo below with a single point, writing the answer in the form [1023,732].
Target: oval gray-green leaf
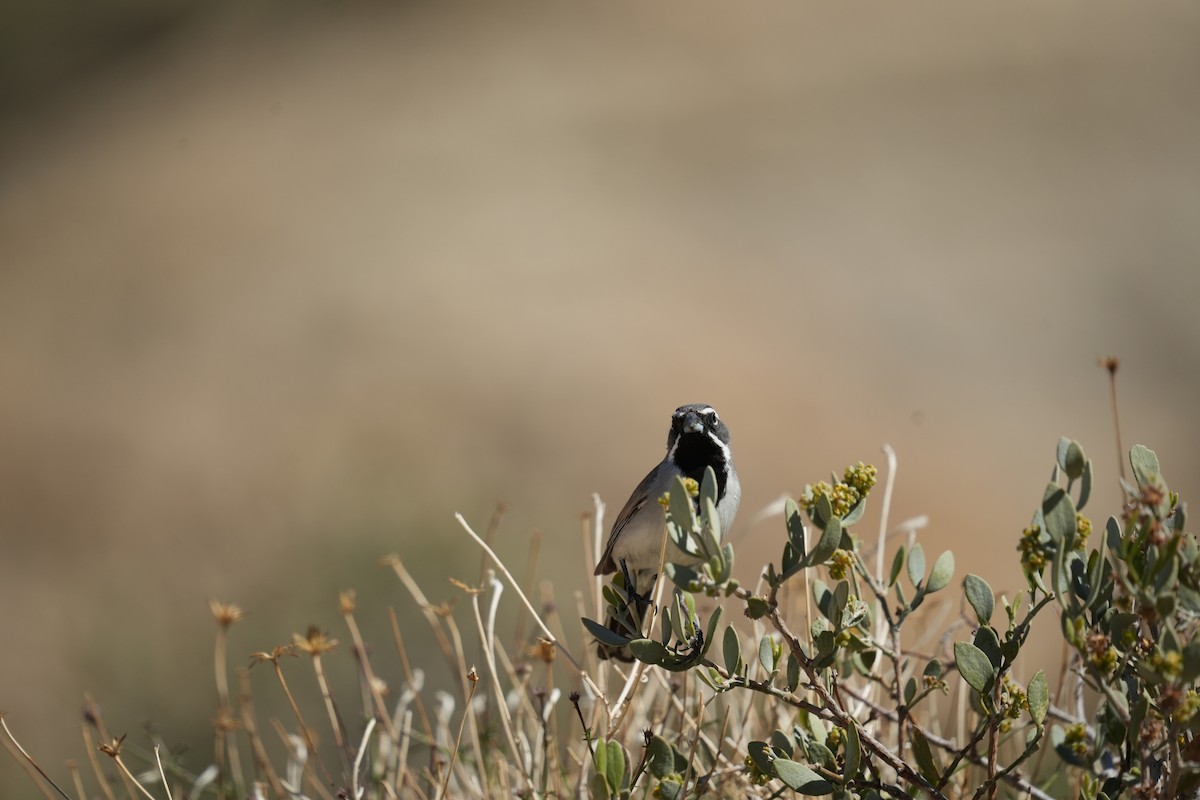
[942,572]
[670,789]
[897,565]
[760,754]
[1075,460]
[766,655]
[987,640]
[712,527]
[648,651]
[980,596]
[731,649]
[831,537]
[604,635]
[795,525]
[614,769]
[599,787]
[973,665]
[1039,698]
[708,485]
[925,760]
[916,565]
[660,760]
[853,752]
[800,778]
[1144,463]
[682,512]
[1058,512]
[1085,486]
[600,757]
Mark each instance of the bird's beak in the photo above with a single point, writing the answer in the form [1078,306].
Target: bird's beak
[692,423]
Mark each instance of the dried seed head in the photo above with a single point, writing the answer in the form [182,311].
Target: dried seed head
[113,747]
[347,602]
[226,613]
[543,650]
[314,641]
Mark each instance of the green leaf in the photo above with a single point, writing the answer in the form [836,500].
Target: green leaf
[815,726]
[604,635]
[1058,512]
[916,565]
[782,744]
[793,673]
[760,753]
[987,640]
[1074,461]
[660,760]
[800,778]
[942,572]
[599,787]
[924,754]
[1061,453]
[614,768]
[731,649]
[1039,698]
[897,565]
[648,651]
[831,537]
[708,486]
[710,632]
[1085,486]
[973,665]
[855,513]
[766,655]
[795,525]
[683,513]
[819,755]
[837,606]
[824,509]
[1117,700]
[980,596]
[670,789]
[853,753]
[1144,463]
[711,527]
[600,760]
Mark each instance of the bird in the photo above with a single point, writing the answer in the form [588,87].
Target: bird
[698,439]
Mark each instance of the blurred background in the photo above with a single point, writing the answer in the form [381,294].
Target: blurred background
[282,288]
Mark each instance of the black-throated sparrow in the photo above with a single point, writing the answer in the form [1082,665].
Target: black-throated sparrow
[698,439]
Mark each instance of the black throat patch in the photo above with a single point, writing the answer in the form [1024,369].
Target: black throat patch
[694,452]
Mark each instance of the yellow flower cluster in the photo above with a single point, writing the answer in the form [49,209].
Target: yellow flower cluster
[1034,552]
[844,495]
[1083,529]
[840,563]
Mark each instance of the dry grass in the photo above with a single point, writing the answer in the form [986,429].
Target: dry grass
[524,718]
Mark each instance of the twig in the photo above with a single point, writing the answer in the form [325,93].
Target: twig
[30,760]
[162,773]
[473,677]
[362,751]
[536,618]
[1112,363]
[489,656]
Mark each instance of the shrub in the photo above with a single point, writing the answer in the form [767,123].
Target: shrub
[821,688]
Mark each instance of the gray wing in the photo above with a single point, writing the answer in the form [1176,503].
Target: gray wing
[640,497]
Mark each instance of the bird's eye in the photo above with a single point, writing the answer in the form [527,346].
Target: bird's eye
[710,417]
